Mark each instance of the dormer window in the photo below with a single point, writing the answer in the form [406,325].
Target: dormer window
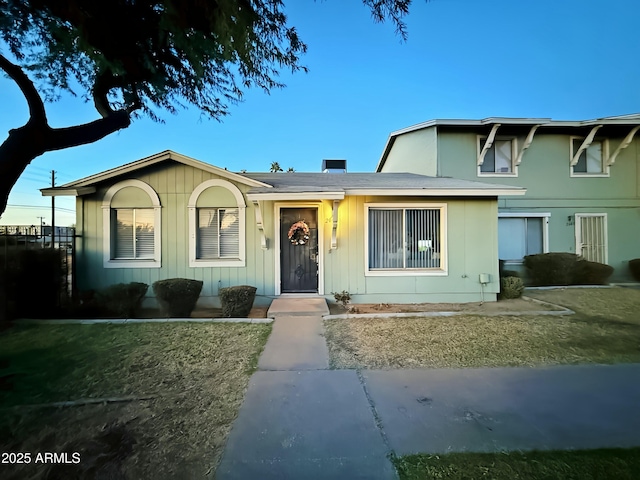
[499,159]
[591,159]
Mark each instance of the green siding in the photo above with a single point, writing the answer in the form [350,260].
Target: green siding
[472,247]
[545,173]
[414,152]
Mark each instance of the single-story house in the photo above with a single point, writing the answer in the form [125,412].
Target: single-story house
[383,237]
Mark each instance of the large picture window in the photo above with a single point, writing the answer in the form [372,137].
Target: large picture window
[405,239]
[218,233]
[134,233]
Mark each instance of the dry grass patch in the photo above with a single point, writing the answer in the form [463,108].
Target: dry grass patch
[195,374]
[618,464]
[615,303]
[477,341]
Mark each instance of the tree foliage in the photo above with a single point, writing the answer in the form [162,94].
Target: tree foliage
[136,57]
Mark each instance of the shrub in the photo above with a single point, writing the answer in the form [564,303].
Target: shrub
[237,301]
[123,299]
[551,268]
[511,287]
[591,273]
[343,298]
[566,269]
[634,266]
[177,296]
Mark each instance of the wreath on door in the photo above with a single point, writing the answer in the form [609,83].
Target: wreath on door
[299,233]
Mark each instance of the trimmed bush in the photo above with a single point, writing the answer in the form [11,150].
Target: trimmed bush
[634,266]
[565,269]
[591,273]
[237,301]
[511,287]
[123,299]
[551,268]
[177,296]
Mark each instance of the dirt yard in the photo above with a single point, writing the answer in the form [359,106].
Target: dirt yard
[513,305]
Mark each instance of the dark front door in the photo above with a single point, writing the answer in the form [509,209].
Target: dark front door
[298,263]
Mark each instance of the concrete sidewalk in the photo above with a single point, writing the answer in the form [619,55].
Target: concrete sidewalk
[498,409]
[301,420]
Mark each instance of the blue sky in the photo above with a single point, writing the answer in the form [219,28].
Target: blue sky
[564,59]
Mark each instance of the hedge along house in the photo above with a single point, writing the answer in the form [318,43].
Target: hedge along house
[383,237]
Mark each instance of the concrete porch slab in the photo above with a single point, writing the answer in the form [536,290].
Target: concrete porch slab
[291,306]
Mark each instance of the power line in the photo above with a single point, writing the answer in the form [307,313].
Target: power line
[39,206]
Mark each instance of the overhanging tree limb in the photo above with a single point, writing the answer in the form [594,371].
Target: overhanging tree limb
[37,113]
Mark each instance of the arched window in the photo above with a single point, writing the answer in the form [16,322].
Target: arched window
[216,225]
[131,214]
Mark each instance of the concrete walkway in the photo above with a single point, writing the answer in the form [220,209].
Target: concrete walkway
[301,420]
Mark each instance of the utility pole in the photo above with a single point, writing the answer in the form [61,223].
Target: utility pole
[53,210]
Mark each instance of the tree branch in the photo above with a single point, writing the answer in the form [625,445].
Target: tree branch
[60,138]
[37,113]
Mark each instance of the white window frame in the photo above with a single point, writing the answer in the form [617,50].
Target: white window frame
[578,232]
[545,229]
[604,152]
[443,270]
[192,207]
[107,244]
[481,139]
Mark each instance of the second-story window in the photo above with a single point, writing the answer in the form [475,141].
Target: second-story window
[591,160]
[499,158]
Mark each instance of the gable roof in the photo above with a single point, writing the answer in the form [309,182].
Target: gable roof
[87,185]
[620,120]
[305,186]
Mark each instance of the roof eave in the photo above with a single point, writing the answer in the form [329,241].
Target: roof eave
[160,157]
[437,192]
[67,191]
[338,195]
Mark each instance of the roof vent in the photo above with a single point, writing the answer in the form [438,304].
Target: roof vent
[334,166]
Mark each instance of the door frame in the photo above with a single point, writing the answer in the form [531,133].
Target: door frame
[278,260]
[578,232]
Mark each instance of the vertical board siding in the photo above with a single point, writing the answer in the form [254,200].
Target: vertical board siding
[174,184]
[470,245]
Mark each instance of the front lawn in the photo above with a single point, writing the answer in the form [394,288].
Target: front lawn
[605,329]
[171,393]
[618,464]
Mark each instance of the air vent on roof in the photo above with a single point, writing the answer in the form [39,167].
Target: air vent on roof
[334,166]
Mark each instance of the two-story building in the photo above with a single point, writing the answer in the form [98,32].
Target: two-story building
[582,180]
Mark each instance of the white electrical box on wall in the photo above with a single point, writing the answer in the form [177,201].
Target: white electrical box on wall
[485,278]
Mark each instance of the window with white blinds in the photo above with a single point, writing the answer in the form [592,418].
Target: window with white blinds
[218,233]
[404,238]
[134,238]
